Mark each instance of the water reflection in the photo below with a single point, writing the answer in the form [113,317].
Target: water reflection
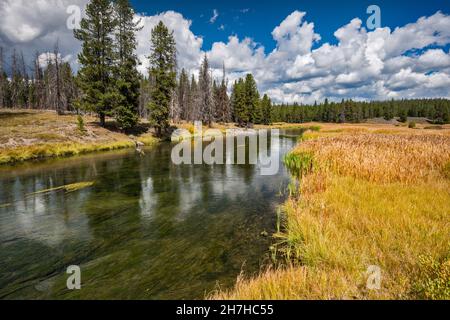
[146,229]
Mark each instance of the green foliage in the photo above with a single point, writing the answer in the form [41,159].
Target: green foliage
[163,72]
[95,77]
[127,83]
[238,100]
[246,103]
[252,100]
[80,124]
[353,111]
[205,95]
[222,104]
[433,280]
[266,108]
[314,128]
[403,116]
[299,164]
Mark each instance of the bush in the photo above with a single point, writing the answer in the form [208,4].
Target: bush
[314,128]
[412,125]
[434,279]
[80,124]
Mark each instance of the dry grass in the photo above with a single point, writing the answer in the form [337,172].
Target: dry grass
[292,283]
[382,157]
[29,134]
[371,198]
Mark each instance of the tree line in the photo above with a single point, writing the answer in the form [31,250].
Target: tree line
[37,87]
[109,84]
[436,110]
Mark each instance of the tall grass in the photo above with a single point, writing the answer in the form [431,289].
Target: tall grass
[365,199]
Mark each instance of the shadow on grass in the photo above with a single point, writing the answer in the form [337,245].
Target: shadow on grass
[10,115]
[139,129]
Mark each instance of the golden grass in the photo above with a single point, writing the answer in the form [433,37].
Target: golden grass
[371,199]
[382,157]
[291,283]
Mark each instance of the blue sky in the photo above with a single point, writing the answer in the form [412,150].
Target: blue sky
[257,19]
[298,51]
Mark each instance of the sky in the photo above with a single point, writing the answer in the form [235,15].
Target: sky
[298,51]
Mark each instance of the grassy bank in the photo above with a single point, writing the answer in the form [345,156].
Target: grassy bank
[27,135]
[368,195]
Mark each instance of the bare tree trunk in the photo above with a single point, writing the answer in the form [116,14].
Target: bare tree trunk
[58,81]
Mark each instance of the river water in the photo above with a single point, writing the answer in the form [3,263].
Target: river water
[146,228]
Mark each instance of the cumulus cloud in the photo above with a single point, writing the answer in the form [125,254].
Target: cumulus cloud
[35,26]
[378,64]
[407,62]
[188,44]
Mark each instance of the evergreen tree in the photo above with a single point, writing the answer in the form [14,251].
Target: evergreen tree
[183,94]
[252,100]
[239,104]
[222,102]
[163,66]
[95,77]
[193,113]
[126,74]
[266,106]
[205,95]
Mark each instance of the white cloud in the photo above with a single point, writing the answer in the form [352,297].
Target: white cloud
[214,16]
[362,65]
[35,26]
[410,61]
[188,44]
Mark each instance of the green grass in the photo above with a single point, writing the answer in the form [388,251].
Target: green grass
[299,164]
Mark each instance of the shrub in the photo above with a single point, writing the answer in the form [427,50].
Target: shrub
[314,128]
[80,124]
[412,125]
[434,279]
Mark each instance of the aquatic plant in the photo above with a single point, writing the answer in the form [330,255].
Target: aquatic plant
[67,188]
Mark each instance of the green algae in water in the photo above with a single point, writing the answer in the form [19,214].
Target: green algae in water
[147,229]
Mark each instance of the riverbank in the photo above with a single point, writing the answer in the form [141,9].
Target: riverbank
[28,135]
[369,198]
[37,134]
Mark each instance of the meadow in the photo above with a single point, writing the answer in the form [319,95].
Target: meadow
[30,134]
[368,195]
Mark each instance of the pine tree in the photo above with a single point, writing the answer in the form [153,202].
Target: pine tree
[222,102]
[252,99]
[205,95]
[183,94]
[239,103]
[266,106]
[95,77]
[163,66]
[193,112]
[127,77]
